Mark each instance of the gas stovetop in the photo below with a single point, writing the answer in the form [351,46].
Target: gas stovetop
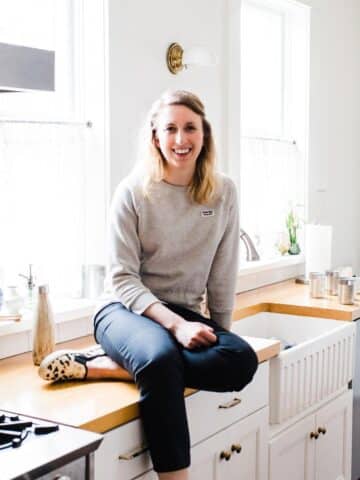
[32,447]
[14,430]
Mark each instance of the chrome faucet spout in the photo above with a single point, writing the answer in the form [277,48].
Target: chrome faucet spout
[251,252]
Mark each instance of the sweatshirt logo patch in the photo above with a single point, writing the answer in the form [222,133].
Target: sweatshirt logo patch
[208,213]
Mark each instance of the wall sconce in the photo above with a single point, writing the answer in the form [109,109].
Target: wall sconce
[177,60]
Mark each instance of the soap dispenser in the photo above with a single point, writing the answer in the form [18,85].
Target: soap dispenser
[44,326]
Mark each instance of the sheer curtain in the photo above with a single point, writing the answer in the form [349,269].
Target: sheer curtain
[272,179]
[274,40]
[42,202]
[53,169]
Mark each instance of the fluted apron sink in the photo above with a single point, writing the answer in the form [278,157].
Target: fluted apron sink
[316,361]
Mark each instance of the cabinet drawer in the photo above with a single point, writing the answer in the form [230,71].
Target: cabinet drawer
[123,453]
[209,412]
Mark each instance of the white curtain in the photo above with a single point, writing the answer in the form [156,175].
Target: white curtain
[272,179]
[42,210]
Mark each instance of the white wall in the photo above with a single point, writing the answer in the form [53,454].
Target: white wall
[139,33]
[334,148]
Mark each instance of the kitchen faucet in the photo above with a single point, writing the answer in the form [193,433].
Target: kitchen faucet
[251,252]
[30,280]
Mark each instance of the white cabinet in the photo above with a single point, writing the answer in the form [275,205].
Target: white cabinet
[333,447]
[238,452]
[292,454]
[317,447]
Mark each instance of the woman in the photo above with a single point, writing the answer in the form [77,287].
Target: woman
[173,236]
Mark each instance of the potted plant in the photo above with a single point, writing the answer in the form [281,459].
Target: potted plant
[292,224]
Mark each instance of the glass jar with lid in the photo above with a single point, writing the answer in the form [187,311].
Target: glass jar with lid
[347,290]
[317,284]
[332,282]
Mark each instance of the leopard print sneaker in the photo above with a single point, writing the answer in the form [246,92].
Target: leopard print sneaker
[68,364]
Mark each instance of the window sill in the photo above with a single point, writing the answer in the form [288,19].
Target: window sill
[263,265]
[73,319]
[256,274]
[64,310]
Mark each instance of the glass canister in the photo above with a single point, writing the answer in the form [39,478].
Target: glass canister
[92,280]
[14,302]
[332,282]
[317,284]
[347,290]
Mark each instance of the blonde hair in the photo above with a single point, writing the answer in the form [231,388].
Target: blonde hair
[203,186]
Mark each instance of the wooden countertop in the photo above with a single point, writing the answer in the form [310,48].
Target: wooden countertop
[102,405]
[293,298]
[94,405]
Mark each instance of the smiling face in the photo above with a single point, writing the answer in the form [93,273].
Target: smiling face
[180,137]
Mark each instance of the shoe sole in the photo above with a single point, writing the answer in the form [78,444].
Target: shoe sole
[60,365]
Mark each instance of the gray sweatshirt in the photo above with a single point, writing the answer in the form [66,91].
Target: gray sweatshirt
[166,248]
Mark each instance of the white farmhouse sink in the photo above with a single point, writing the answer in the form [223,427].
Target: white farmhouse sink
[319,364]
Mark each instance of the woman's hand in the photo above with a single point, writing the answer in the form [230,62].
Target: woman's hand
[188,334]
[193,334]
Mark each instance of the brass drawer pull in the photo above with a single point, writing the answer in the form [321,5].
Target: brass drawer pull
[314,435]
[322,430]
[133,454]
[236,448]
[225,455]
[231,403]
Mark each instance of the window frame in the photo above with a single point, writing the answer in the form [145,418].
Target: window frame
[65,103]
[87,106]
[234,92]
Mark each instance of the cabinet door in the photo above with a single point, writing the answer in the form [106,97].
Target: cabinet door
[333,446]
[292,453]
[238,452]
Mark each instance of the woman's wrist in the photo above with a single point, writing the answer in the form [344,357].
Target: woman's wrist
[174,322]
[163,315]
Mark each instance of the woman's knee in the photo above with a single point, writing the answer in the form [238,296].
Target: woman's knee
[160,366]
[243,361]
[246,367]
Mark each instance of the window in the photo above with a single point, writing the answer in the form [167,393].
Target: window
[273,118]
[52,25]
[52,165]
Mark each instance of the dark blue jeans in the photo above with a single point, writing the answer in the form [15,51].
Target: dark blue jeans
[162,368]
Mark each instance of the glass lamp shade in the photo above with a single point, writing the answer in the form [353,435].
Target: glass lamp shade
[199,56]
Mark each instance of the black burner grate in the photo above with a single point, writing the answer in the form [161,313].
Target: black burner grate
[14,430]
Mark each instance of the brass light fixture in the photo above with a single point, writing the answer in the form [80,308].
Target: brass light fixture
[174,58]
[177,59]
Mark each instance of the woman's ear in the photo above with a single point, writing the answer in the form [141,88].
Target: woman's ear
[155,140]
